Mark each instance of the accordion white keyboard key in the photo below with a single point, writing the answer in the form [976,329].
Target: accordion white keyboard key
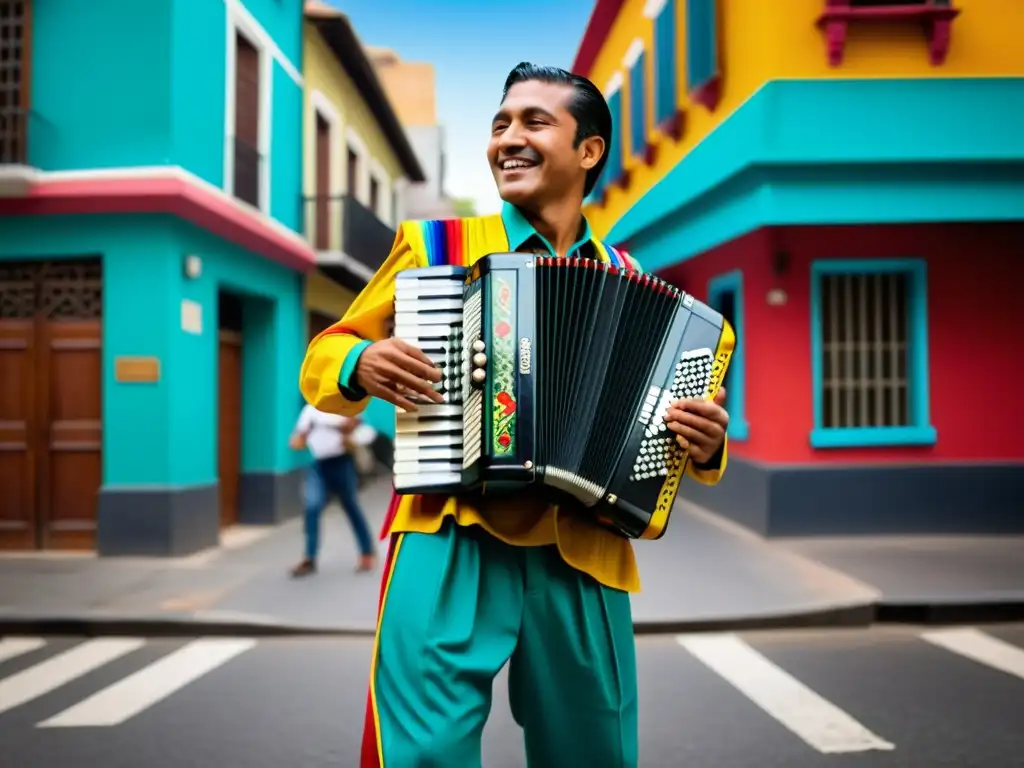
[428,441]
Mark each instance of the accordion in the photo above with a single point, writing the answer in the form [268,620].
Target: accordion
[556,374]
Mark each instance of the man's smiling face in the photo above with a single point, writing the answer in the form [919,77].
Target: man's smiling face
[531,150]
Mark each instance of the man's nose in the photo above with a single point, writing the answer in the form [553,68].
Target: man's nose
[511,140]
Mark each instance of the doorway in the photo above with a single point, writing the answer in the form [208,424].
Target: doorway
[229,404]
[51,427]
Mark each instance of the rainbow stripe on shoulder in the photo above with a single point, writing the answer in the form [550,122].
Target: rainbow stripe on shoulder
[460,242]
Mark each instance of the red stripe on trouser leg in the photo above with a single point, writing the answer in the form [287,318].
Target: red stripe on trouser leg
[389,516]
[369,756]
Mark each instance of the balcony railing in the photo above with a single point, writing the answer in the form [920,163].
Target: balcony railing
[13,136]
[248,162]
[342,223]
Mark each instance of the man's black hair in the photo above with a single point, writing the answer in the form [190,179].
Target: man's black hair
[588,106]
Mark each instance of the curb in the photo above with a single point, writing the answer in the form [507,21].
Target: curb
[92,626]
[854,616]
[848,616]
[949,611]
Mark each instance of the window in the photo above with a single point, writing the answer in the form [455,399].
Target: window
[249,73]
[323,183]
[247,122]
[870,345]
[352,180]
[636,61]
[702,75]
[614,168]
[14,86]
[725,294]
[375,196]
[666,102]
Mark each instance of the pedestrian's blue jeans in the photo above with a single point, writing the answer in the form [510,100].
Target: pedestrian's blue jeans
[336,475]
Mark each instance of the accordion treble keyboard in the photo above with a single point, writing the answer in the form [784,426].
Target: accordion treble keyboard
[429,440]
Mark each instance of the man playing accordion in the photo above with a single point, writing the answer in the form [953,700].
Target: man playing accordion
[471,584]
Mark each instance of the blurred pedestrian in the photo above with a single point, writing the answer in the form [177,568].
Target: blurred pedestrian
[330,440]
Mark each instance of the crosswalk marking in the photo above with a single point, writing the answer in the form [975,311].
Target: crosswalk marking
[980,647]
[11,647]
[125,699]
[818,722]
[55,672]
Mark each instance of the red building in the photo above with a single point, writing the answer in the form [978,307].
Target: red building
[875,395]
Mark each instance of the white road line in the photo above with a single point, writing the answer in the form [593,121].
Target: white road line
[818,722]
[15,646]
[54,672]
[980,647]
[135,693]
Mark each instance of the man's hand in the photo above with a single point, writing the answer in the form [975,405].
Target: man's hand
[297,441]
[390,367]
[348,426]
[699,425]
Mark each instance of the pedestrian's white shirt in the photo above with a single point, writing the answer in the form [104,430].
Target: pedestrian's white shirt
[323,432]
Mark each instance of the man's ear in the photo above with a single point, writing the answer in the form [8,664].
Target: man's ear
[591,151]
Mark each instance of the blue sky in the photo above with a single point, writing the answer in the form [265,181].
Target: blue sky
[473,44]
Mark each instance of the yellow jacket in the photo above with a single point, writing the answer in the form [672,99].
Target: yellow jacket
[329,364]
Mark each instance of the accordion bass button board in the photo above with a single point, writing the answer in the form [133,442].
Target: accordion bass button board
[556,373]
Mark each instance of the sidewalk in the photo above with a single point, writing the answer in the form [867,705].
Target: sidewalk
[705,574]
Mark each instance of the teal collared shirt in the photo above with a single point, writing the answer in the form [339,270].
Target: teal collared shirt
[519,231]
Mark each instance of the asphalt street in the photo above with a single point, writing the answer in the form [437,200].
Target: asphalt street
[902,697]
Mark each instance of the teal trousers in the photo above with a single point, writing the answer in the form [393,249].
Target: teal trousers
[457,606]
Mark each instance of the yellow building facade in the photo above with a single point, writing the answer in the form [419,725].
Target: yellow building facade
[722,52]
[843,180]
[357,163]
[357,166]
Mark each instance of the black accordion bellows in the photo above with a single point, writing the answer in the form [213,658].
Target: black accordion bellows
[598,337]
[558,373]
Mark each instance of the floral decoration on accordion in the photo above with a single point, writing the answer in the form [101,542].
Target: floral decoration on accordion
[503,367]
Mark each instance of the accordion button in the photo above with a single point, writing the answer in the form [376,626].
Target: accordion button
[479,346]
[479,359]
[479,375]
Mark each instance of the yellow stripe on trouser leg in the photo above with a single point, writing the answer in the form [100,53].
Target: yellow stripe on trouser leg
[572,678]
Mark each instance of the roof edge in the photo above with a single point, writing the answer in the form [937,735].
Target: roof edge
[337,31]
[598,27]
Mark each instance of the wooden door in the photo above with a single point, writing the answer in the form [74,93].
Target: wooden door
[18,424]
[50,403]
[323,184]
[70,465]
[229,426]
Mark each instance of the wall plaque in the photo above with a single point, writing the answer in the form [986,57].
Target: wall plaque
[137,370]
[191,317]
